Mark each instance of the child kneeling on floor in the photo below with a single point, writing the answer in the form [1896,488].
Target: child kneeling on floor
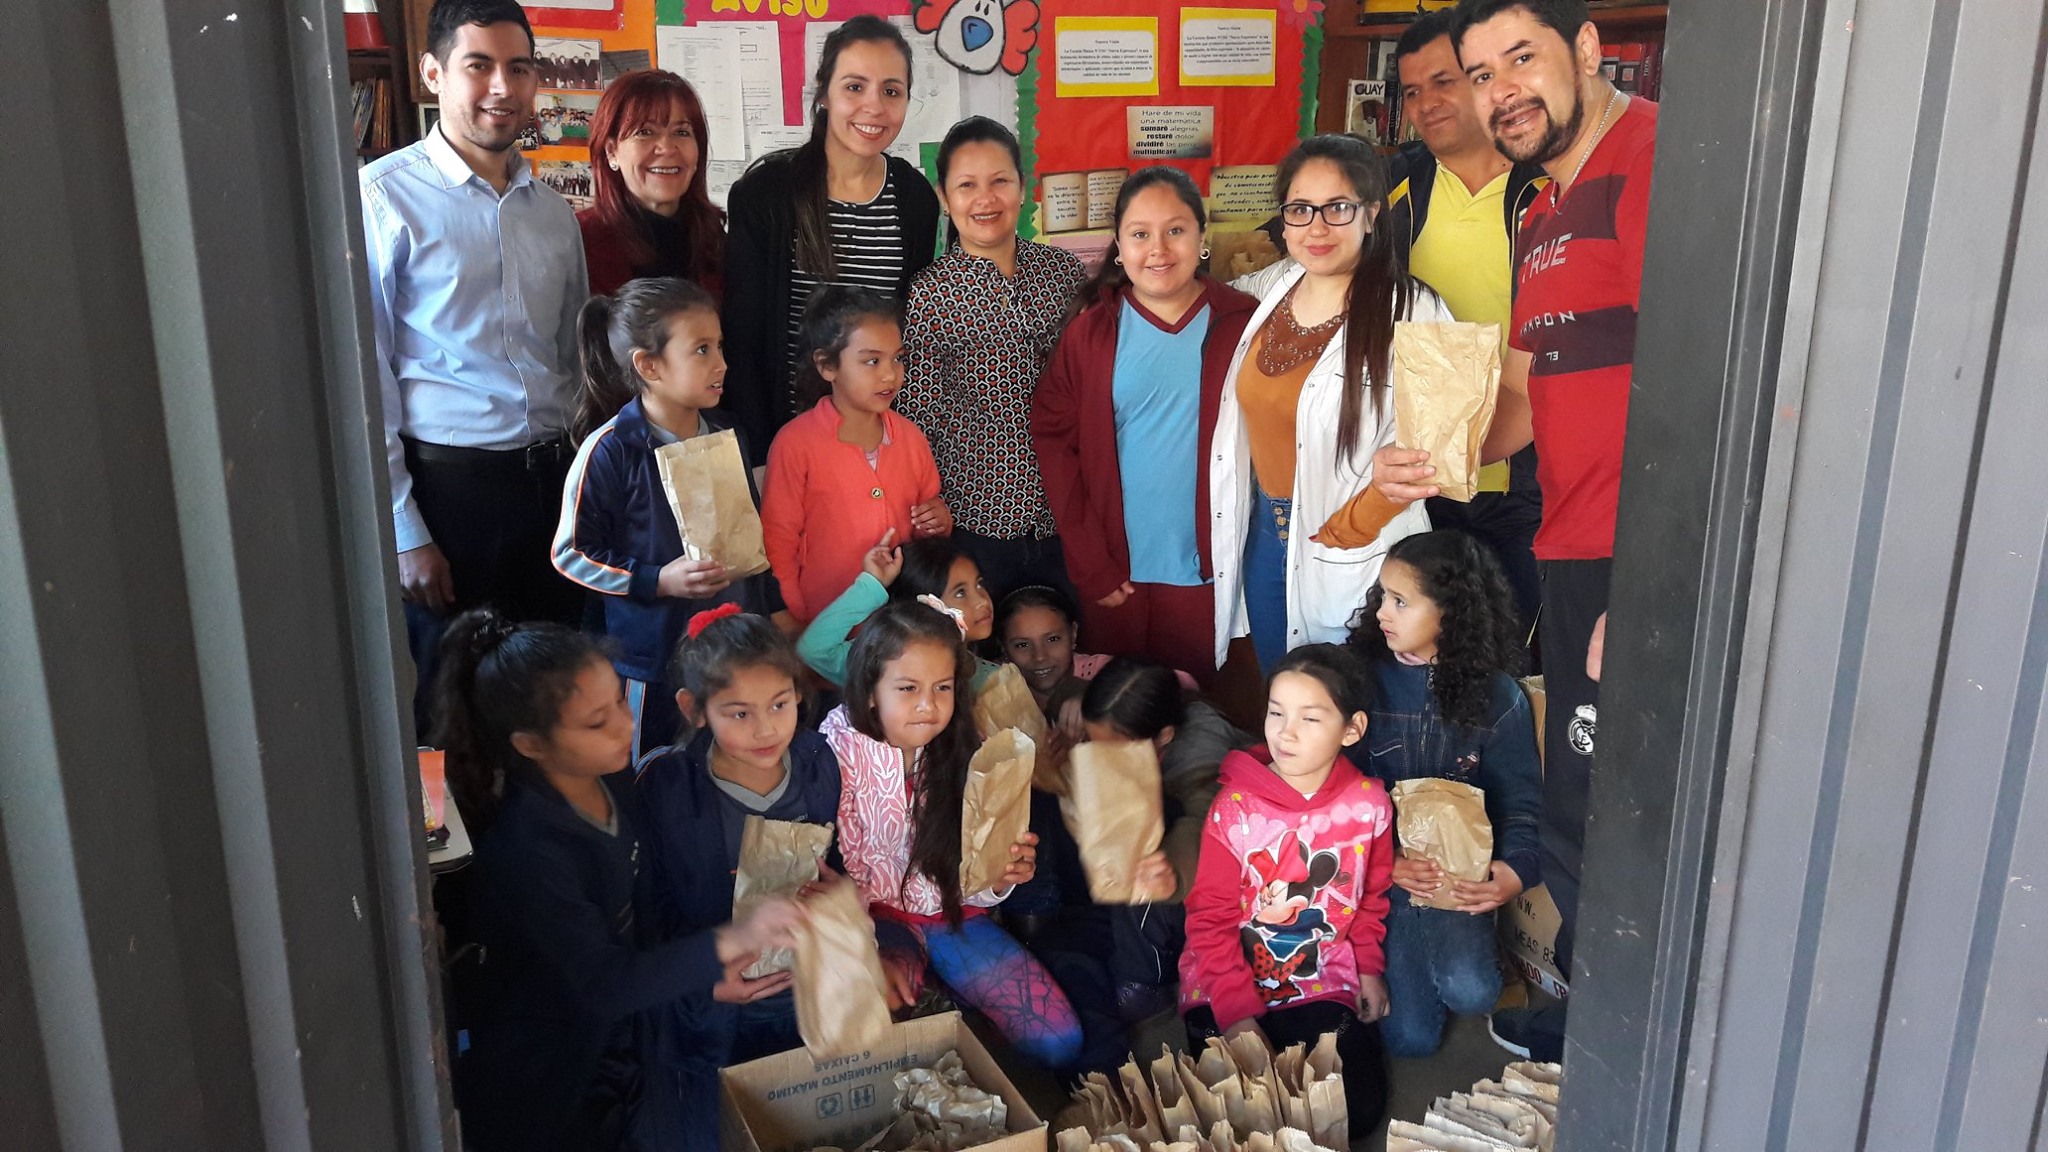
[1440,632]
[1288,908]
[739,686]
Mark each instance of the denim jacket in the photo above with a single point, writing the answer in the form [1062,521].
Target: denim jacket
[1407,739]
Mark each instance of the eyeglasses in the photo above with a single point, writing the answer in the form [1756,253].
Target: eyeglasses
[1337,213]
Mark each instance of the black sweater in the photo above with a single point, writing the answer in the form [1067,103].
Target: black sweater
[571,962]
[760,244]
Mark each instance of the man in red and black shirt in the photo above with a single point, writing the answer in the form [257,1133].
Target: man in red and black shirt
[1565,384]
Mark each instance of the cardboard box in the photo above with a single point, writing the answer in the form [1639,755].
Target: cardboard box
[791,1103]
[1528,931]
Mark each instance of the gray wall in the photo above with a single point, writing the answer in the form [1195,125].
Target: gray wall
[1817,895]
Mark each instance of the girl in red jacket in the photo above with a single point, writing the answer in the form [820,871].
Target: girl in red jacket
[844,474]
[1289,905]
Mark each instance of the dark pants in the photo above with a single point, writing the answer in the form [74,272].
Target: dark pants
[1358,1046]
[1439,962]
[1007,565]
[1574,597]
[493,515]
[1505,522]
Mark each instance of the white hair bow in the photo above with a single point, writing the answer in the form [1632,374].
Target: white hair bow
[938,605]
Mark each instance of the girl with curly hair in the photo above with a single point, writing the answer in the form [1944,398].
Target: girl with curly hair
[1441,634]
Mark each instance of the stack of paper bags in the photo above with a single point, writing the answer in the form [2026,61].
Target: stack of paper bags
[1517,1113]
[1233,1097]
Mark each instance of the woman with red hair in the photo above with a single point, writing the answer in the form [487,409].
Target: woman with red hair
[648,151]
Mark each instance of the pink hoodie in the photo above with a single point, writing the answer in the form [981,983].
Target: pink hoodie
[1289,902]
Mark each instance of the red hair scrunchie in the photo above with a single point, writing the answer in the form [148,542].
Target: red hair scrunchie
[707,618]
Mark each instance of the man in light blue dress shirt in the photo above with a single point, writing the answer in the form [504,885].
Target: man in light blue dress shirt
[476,278]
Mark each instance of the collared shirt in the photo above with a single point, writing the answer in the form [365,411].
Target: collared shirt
[1463,254]
[975,343]
[473,299]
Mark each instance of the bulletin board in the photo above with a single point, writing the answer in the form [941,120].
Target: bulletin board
[1232,81]
[1220,90]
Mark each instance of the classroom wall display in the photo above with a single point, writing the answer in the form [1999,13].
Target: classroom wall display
[1218,85]
[1212,89]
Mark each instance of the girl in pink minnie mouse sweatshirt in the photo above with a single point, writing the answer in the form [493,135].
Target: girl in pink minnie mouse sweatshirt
[1289,904]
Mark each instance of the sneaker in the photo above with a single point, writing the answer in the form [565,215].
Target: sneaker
[1530,1033]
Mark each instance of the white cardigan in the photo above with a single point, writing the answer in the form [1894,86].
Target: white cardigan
[1325,586]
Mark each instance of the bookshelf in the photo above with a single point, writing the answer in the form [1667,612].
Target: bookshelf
[386,75]
[1359,36]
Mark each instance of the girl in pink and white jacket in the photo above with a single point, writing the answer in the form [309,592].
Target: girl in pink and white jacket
[904,738]
[1288,909]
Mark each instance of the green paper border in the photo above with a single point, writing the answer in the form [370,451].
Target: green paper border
[1311,75]
[1027,137]
[670,11]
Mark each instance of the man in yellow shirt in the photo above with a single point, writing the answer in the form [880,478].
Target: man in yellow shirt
[1456,205]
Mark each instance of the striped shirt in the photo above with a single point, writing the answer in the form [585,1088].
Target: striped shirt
[867,252]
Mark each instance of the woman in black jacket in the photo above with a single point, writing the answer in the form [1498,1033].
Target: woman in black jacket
[839,209]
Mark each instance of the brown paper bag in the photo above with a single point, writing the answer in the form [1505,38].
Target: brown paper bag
[1006,702]
[1445,378]
[842,1002]
[997,809]
[1444,822]
[707,490]
[1113,808]
[1327,1103]
[777,858]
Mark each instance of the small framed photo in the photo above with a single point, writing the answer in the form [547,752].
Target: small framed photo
[430,115]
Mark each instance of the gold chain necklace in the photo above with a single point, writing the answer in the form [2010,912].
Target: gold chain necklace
[1586,154]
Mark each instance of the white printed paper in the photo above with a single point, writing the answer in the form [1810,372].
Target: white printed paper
[708,56]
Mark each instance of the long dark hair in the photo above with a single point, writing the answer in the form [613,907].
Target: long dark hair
[942,767]
[706,661]
[1136,697]
[974,130]
[927,568]
[1478,630]
[1109,278]
[497,678]
[1338,669]
[633,101]
[1381,292]
[807,167]
[830,316]
[610,329]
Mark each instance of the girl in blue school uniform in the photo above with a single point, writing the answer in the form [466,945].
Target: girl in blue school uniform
[576,975]
[740,690]
[653,374]
[1441,633]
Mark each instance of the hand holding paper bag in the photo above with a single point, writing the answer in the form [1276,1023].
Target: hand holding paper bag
[996,811]
[1444,822]
[841,1005]
[1446,378]
[713,502]
[1113,808]
[777,858]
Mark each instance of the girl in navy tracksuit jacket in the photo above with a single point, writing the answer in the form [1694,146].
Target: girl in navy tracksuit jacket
[653,370]
[1440,630]
[576,971]
[741,687]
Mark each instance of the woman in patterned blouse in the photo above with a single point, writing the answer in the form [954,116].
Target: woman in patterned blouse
[980,325]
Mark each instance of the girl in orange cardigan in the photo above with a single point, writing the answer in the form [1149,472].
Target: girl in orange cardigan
[844,474]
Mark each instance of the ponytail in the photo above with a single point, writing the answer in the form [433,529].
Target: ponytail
[497,678]
[610,329]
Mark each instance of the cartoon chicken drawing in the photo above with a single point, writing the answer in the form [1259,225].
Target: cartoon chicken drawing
[1284,940]
[980,36]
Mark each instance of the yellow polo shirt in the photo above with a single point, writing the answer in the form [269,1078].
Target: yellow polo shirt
[1463,254]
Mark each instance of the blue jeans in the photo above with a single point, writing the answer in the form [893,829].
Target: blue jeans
[1438,962]
[1265,577]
